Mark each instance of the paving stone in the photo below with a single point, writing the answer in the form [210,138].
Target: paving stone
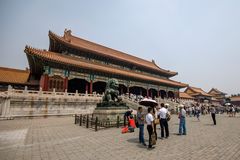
[57,138]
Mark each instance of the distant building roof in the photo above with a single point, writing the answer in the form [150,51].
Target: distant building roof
[83,44]
[235,98]
[184,95]
[13,76]
[198,91]
[215,91]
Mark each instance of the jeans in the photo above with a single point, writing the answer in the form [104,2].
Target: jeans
[164,125]
[198,115]
[214,118]
[141,133]
[182,126]
[150,132]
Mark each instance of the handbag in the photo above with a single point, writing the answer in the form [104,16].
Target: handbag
[168,116]
[125,129]
[153,138]
[156,121]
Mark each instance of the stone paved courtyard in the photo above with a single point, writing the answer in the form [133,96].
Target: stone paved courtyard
[58,138]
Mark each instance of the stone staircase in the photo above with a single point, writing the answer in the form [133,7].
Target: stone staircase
[131,104]
[172,104]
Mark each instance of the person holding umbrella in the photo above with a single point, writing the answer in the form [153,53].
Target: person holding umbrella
[149,120]
[151,103]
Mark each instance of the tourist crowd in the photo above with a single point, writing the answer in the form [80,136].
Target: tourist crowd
[161,116]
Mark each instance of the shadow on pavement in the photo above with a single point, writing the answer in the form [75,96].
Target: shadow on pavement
[195,120]
[133,140]
[208,124]
[177,134]
[136,141]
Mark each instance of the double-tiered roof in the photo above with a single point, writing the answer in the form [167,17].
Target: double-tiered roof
[81,44]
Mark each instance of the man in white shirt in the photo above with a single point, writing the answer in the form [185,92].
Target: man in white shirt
[163,120]
[149,120]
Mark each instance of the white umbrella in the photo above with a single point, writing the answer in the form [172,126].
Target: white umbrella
[228,104]
[148,102]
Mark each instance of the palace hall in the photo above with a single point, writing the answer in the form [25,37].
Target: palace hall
[74,64]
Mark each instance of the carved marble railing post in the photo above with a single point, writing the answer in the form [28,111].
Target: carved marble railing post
[25,92]
[5,107]
[76,93]
[54,92]
[9,91]
[65,93]
[40,92]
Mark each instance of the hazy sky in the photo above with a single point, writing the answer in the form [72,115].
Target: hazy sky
[200,39]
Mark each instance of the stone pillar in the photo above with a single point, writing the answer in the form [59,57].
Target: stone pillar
[44,82]
[158,94]
[147,93]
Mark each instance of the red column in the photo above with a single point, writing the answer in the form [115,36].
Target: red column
[177,94]
[44,82]
[91,87]
[65,84]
